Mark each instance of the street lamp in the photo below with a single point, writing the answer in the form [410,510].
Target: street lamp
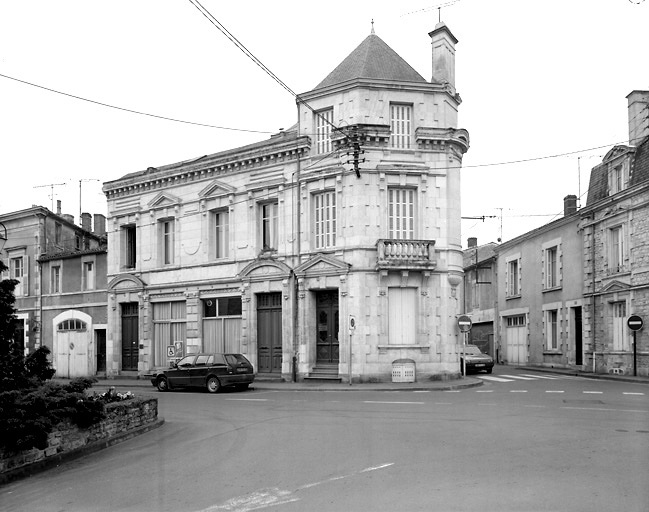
[3,236]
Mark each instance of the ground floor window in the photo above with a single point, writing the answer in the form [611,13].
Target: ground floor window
[222,324]
[169,328]
[620,333]
[402,305]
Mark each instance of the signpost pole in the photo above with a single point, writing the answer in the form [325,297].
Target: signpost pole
[635,356]
[635,323]
[464,356]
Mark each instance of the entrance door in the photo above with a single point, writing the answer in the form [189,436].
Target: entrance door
[327,322]
[579,349]
[516,340]
[269,332]
[100,337]
[130,336]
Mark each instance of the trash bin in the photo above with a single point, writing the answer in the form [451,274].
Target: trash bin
[403,370]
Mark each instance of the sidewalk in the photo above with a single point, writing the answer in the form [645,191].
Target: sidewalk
[585,375]
[263,384]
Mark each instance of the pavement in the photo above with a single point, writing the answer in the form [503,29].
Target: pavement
[268,384]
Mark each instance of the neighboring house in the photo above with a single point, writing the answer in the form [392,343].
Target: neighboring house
[61,293]
[480,294]
[540,304]
[272,249]
[615,225]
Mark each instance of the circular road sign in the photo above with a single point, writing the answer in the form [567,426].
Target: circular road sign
[635,322]
[464,323]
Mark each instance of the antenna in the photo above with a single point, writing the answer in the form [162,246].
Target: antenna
[435,6]
[87,179]
[51,185]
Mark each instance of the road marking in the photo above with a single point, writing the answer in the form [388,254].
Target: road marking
[255,500]
[248,399]
[603,409]
[452,391]
[377,467]
[539,376]
[551,391]
[518,391]
[593,392]
[485,391]
[421,391]
[495,379]
[519,377]
[387,402]
[640,394]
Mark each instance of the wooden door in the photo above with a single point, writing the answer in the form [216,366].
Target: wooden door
[327,347]
[269,333]
[100,337]
[516,340]
[130,336]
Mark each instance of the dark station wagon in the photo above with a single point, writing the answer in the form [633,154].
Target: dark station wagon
[208,371]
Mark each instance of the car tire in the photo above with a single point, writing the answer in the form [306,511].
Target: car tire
[213,385]
[162,384]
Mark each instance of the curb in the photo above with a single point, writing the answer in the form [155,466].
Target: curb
[60,458]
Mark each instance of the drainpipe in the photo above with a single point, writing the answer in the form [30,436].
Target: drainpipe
[593,299]
[298,248]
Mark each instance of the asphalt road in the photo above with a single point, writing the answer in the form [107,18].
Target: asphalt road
[523,441]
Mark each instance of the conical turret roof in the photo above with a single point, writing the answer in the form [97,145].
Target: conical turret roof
[372,59]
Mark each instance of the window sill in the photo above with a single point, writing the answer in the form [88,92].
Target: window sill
[552,352]
[509,297]
[383,349]
[553,289]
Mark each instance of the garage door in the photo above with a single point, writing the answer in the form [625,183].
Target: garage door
[516,339]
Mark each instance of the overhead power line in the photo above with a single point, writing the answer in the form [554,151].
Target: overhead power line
[131,110]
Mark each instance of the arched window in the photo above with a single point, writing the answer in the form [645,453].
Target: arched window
[72,325]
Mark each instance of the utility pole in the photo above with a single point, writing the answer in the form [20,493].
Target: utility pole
[51,185]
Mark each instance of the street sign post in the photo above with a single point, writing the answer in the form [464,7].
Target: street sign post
[464,324]
[635,323]
[352,328]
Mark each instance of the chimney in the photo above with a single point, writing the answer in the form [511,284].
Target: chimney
[638,116]
[569,205]
[86,221]
[68,217]
[472,242]
[100,224]
[58,207]
[443,42]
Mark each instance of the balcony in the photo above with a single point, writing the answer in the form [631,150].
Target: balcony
[406,254]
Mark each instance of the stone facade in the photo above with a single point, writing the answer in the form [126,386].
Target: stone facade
[273,248]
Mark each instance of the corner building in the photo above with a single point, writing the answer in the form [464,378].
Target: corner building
[273,248]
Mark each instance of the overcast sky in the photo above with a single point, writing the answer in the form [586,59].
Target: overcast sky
[537,79]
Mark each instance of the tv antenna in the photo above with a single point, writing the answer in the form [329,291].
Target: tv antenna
[435,6]
[51,185]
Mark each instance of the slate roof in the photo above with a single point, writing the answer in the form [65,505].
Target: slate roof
[598,185]
[373,59]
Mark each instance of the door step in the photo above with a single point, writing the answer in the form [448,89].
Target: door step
[324,372]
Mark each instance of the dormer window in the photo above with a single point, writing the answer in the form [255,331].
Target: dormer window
[617,178]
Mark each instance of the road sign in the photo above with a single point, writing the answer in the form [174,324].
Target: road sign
[352,322]
[171,351]
[464,323]
[635,322]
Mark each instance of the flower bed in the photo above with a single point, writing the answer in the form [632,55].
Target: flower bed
[126,416]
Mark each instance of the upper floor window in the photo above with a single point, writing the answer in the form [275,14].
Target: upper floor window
[401,213]
[55,279]
[88,277]
[551,267]
[58,233]
[18,270]
[552,329]
[269,226]
[400,125]
[167,236]
[512,277]
[221,230]
[616,249]
[129,246]
[325,219]
[617,178]
[323,123]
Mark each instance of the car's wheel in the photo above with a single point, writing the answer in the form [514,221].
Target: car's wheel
[163,385]
[213,385]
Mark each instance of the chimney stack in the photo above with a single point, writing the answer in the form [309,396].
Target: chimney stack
[443,42]
[638,111]
[100,224]
[86,221]
[472,242]
[58,207]
[569,205]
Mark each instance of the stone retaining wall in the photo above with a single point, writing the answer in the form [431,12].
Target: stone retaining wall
[122,418]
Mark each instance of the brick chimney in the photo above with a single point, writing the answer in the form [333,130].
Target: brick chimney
[86,221]
[569,205]
[472,242]
[58,207]
[100,224]
[638,112]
